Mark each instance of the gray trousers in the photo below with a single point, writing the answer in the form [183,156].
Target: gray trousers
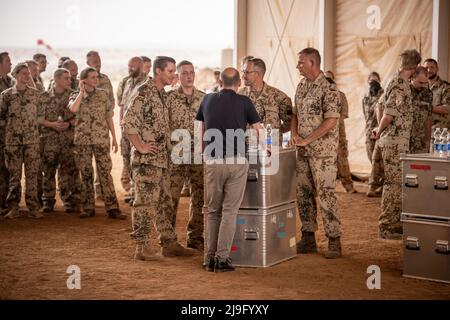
[225,185]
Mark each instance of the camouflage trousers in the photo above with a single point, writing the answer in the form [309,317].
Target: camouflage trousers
[125,151]
[58,155]
[376,178]
[370,145]
[4,178]
[152,205]
[193,176]
[343,168]
[391,199]
[15,157]
[317,176]
[83,160]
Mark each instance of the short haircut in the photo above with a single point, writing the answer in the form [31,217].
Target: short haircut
[28,62]
[374,74]
[38,56]
[409,59]
[84,74]
[2,55]
[184,63]
[431,60]
[230,81]
[18,68]
[217,72]
[61,61]
[146,59]
[312,53]
[258,64]
[59,72]
[161,63]
[67,63]
[420,70]
[92,53]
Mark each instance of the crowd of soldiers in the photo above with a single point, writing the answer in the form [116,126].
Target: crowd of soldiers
[56,133]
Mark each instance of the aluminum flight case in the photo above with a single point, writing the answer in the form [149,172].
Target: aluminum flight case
[264,236]
[426,249]
[425,179]
[272,183]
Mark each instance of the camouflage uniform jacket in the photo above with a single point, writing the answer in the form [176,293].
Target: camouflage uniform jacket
[273,105]
[316,101]
[148,117]
[54,106]
[20,113]
[105,83]
[441,96]
[397,102]
[422,104]
[92,118]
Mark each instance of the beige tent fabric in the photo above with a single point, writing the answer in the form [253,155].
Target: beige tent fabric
[291,21]
[405,24]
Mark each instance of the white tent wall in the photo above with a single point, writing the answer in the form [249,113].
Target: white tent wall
[275,30]
[370,35]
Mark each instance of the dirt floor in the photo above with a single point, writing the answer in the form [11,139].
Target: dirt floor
[34,256]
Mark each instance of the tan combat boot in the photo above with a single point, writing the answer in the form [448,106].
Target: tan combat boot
[374,193]
[145,253]
[35,214]
[176,249]
[334,248]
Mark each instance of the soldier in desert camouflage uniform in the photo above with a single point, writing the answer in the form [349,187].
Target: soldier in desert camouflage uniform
[315,132]
[73,69]
[126,90]
[422,99]
[57,152]
[6,82]
[343,167]
[94,113]
[41,61]
[93,60]
[183,104]
[35,82]
[394,133]
[147,124]
[274,106]
[441,95]
[20,112]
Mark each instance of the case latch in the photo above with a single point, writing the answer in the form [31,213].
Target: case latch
[442,247]
[250,234]
[440,183]
[411,181]
[412,243]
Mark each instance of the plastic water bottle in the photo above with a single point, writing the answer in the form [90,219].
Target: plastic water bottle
[286,138]
[448,144]
[268,137]
[437,140]
[444,143]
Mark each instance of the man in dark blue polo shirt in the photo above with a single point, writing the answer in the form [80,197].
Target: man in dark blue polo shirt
[225,116]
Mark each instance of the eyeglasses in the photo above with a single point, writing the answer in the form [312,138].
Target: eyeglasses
[247,72]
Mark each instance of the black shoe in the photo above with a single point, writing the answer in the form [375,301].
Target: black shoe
[116,214]
[210,264]
[223,266]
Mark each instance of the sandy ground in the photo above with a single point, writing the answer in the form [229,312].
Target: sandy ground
[35,256]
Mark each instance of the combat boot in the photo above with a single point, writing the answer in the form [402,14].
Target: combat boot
[13,213]
[374,193]
[145,253]
[334,248]
[308,243]
[116,214]
[34,214]
[176,249]
[87,213]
